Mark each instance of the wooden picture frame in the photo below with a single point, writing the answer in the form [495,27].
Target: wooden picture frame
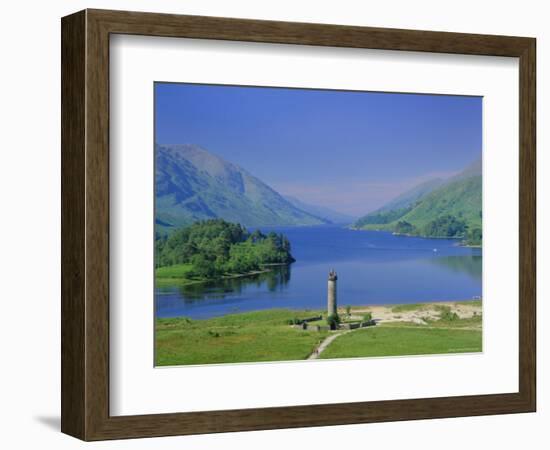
[85,224]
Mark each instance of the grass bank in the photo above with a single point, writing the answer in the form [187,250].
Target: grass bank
[401,340]
[259,336]
[183,274]
[177,274]
[247,337]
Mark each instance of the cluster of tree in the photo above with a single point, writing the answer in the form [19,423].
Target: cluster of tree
[216,247]
[404,227]
[444,226]
[474,236]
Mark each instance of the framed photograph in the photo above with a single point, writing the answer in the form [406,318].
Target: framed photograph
[273,225]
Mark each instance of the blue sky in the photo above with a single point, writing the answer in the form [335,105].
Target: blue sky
[349,151]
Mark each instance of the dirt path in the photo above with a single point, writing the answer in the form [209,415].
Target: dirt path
[317,352]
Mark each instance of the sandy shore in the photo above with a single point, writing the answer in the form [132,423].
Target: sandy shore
[416,313]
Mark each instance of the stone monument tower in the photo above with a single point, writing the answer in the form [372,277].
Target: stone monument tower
[332,300]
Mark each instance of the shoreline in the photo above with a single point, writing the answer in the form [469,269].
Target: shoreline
[404,309]
[394,233]
[419,302]
[180,281]
[266,268]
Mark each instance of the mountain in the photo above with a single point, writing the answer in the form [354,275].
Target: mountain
[322,212]
[459,198]
[453,209]
[399,206]
[193,184]
[474,169]
[411,196]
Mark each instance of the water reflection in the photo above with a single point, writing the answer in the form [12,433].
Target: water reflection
[373,268]
[274,280]
[471,265]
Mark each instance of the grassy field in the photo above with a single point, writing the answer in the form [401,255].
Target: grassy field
[246,337]
[471,322]
[408,307]
[267,336]
[175,271]
[178,273]
[181,275]
[397,340]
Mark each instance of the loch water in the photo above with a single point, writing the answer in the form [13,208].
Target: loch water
[374,268]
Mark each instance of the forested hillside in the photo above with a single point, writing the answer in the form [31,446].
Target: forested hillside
[453,209]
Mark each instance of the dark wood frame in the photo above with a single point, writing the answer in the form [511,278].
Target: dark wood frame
[85,224]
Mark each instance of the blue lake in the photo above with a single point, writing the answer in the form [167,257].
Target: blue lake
[373,267]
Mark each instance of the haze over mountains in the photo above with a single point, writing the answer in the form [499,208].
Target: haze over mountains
[322,211]
[437,208]
[193,184]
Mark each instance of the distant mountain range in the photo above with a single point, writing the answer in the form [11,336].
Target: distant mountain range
[436,208]
[321,211]
[193,184]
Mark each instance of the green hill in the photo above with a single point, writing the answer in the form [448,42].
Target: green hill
[460,199]
[193,184]
[454,209]
[411,196]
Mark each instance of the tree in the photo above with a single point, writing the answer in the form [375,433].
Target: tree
[285,244]
[202,267]
[446,226]
[474,236]
[256,236]
[404,227]
[333,321]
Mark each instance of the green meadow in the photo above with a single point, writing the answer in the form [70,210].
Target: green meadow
[248,337]
[398,340]
[262,336]
[183,274]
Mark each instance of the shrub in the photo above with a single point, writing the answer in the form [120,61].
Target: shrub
[449,316]
[367,317]
[333,321]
